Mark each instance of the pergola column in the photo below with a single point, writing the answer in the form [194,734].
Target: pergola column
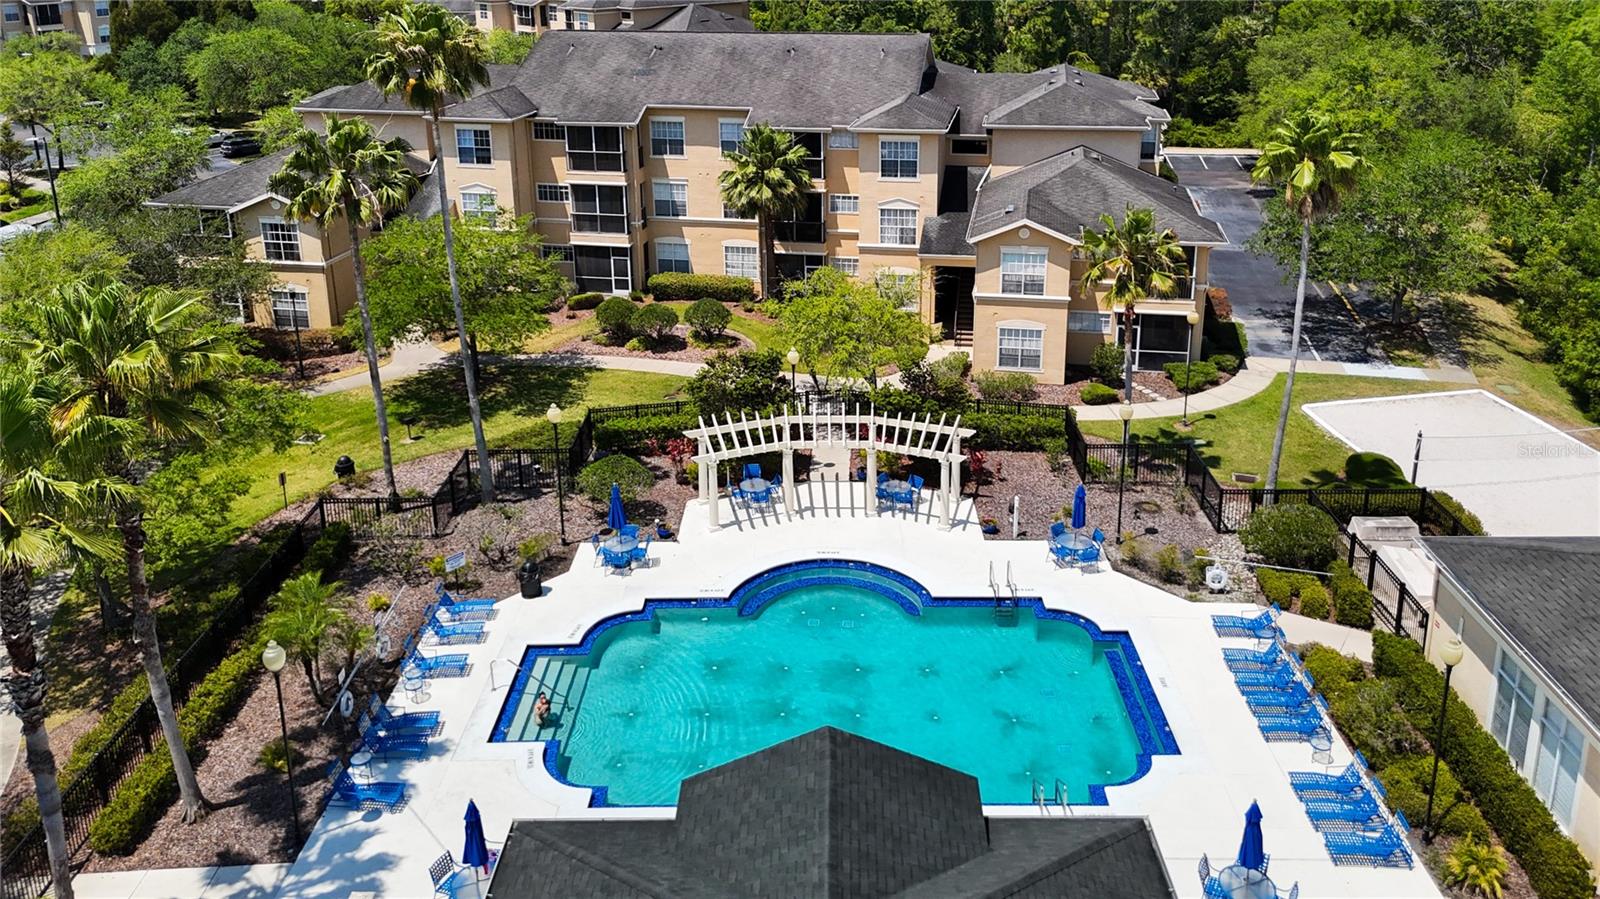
[788,481]
[869,487]
[700,474]
[944,495]
[714,513]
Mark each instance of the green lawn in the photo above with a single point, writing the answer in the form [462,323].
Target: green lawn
[1509,362]
[34,202]
[1239,437]
[514,399]
[764,334]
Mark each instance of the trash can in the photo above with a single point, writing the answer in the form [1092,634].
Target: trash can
[344,467]
[529,580]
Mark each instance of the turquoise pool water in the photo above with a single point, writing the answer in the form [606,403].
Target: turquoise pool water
[659,698]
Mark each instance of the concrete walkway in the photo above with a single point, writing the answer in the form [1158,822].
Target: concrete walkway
[406,360]
[412,358]
[1348,640]
[235,882]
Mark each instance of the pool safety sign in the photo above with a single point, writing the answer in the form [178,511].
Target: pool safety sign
[455,560]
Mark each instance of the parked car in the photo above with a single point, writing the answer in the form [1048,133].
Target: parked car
[240,143]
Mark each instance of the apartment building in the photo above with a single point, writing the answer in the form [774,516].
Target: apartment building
[539,16]
[87,20]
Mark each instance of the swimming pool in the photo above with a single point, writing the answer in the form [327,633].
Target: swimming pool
[1016,697]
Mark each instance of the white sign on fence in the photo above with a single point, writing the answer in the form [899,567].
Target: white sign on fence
[455,560]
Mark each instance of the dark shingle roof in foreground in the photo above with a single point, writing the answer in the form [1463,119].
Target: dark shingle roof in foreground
[229,188]
[1067,192]
[831,814]
[1541,590]
[696,17]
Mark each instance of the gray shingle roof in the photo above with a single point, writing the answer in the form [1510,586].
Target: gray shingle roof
[1067,192]
[946,235]
[831,814]
[363,96]
[913,112]
[227,189]
[497,103]
[696,17]
[1063,97]
[1542,591]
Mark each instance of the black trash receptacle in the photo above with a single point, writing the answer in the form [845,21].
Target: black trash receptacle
[344,467]
[529,580]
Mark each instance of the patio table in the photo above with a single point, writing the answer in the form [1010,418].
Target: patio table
[1246,883]
[754,485]
[896,486]
[621,543]
[362,759]
[1073,541]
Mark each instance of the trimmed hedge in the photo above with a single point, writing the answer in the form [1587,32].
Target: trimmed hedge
[1098,395]
[1352,601]
[1225,362]
[633,435]
[585,301]
[1190,377]
[1555,867]
[1291,535]
[669,286]
[999,431]
[1468,520]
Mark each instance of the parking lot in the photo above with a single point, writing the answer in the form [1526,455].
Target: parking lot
[1262,292]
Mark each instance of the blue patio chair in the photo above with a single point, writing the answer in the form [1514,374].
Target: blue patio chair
[401,722]
[1097,536]
[460,632]
[761,497]
[883,478]
[1063,554]
[614,560]
[1057,529]
[776,480]
[444,872]
[1385,849]
[385,743]
[752,470]
[1250,659]
[450,665]
[463,604]
[1352,781]
[1275,678]
[641,553]
[1360,813]
[1294,727]
[629,530]
[594,544]
[1089,554]
[916,482]
[386,795]
[1292,696]
[1261,627]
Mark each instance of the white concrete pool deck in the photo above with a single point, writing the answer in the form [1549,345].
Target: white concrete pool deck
[1195,800]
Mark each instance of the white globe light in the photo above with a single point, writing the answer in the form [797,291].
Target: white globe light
[553,414]
[273,657]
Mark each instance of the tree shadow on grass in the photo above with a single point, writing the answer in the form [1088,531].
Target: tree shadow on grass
[438,396]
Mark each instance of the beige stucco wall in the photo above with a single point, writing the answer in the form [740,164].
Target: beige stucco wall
[326,270]
[413,128]
[875,190]
[1012,148]
[500,175]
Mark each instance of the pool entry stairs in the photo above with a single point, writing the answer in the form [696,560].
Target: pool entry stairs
[562,678]
[1005,598]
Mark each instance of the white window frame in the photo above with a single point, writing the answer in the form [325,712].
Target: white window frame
[552,15]
[884,143]
[582,22]
[483,10]
[102,9]
[1552,758]
[296,303]
[1023,275]
[729,215]
[744,268]
[11,12]
[552,193]
[102,34]
[1077,321]
[839,139]
[524,15]
[1020,329]
[844,204]
[280,241]
[234,310]
[722,137]
[850,265]
[601,217]
[488,146]
[885,230]
[672,187]
[682,139]
[561,252]
[550,131]
[475,209]
[1503,718]
[676,244]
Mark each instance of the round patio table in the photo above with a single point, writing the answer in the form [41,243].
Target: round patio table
[621,543]
[896,486]
[1073,541]
[362,760]
[1321,747]
[754,485]
[1246,883]
[416,686]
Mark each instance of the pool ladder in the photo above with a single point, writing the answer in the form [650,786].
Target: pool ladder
[1005,599]
[1043,800]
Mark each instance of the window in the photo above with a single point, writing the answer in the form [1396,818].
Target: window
[969,146]
[740,262]
[281,240]
[479,204]
[843,140]
[1022,271]
[671,198]
[806,226]
[627,16]
[729,133]
[599,208]
[13,12]
[525,15]
[897,158]
[794,266]
[897,226]
[1513,709]
[290,309]
[548,131]
[552,193]
[1555,774]
[812,141]
[850,265]
[1089,322]
[579,21]
[558,251]
[102,9]
[552,15]
[592,148]
[672,256]
[603,269]
[728,212]
[1149,143]
[483,10]
[666,137]
[844,204]
[103,34]
[46,15]
[233,308]
[898,285]
[213,223]
[1021,348]
[472,146]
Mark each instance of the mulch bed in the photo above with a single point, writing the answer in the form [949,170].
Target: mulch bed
[675,347]
[1071,392]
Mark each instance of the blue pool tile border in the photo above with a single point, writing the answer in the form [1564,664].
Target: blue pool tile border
[1151,728]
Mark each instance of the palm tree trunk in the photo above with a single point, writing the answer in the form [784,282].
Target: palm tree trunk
[372,361]
[764,258]
[26,685]
[312,679]
[485,474]
[1294,359]
[131,524]
[1128,318]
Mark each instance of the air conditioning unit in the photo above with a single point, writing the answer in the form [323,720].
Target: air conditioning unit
[1396,529]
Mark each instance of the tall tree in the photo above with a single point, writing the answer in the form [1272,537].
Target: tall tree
[350,174]
[138,369]
[766,181]
[427,55]
[1316,165]
[845,328]
[41,507]
[1131,262]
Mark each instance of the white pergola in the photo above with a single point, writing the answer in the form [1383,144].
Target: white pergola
[730,439]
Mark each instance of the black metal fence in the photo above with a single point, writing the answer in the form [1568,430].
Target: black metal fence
[1393,603]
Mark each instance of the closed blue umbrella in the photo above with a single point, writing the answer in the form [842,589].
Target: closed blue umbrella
[1080,507]
[1252,854]
[615,518]
[476,852]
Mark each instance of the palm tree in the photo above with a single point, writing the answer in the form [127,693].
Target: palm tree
[40,505]
[427,55]
[1139,263]
[137,370]
[303,619]
[1317,165]
[768,180]
[350,174]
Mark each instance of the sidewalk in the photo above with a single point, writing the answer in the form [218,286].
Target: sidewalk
[1242,386]
[412,358]
[408,359]
[236,882]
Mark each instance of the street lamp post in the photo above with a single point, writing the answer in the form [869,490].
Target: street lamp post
[794,360]
[50,172]
[1124,412]
[273,659]
[1450,654]
[1188,364]
[554,415]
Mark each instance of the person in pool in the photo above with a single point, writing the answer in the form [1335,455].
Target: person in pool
[541,708]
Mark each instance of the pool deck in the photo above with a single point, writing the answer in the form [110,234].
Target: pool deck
[1195,800]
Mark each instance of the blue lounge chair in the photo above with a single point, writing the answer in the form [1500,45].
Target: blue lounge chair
[1292,696]
[462,603]
[1253,659]
[1352,781]
[402,722]
[386,743]
[1359,813]
[752,470]
[1261,627]
[386,795]
[462,632]
[1291,727]
[1384,849]
[451,665]
[1267,678]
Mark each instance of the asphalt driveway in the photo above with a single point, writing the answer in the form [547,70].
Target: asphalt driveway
[1262,292]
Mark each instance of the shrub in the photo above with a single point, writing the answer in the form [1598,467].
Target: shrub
[1275,587]
[1314,602]
[275,755]
[1469,522]
[585,301]
[736,382]
[707,318]
[1556,868]
[1190,377]
[1352,601]
[615,316]
[1030,433]
[1225,362]
[942,383]
[669,286]
[1291,535]
[630,475]
[1132,550]
[1106,362]
[1373,470]
[655,321]
[1407,778]
[636,296]
[1098,395]
[633,435]
[330,551]
[1332,672]
[1477,867]
[1006,386]
[379,602]
[1169,564]
[1369,713]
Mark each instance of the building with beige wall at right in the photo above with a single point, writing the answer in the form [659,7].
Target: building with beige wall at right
[89,21]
